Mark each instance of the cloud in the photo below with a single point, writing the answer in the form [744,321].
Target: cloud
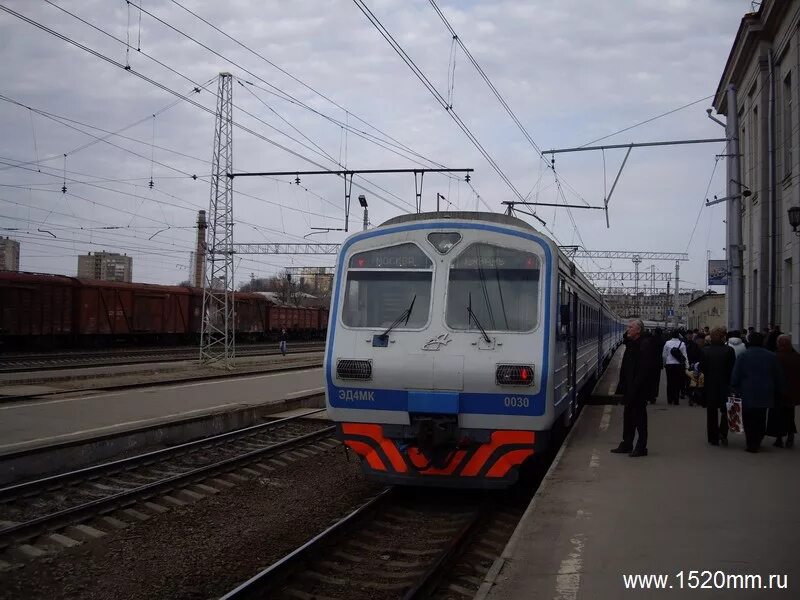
[572,71]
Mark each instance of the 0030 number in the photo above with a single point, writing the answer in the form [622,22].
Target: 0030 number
[517,401]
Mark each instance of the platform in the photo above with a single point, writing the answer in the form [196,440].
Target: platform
[688,506]
[33,423]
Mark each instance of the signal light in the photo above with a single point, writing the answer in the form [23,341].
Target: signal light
[514,375]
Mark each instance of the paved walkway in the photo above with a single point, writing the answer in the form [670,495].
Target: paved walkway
[45,422]
[687,507]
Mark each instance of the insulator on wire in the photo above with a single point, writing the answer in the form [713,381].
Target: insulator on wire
[151,184]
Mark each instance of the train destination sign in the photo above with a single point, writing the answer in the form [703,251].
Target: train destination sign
[402,256]
[484,256]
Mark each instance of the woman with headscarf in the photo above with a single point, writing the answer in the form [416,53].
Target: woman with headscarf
[781,416]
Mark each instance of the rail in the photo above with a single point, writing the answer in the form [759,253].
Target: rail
[232,458]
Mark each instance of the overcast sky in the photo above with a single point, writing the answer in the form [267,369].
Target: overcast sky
[572,71]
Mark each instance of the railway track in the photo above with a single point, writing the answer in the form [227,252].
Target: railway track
[19,363]
[48,514]
[400,544]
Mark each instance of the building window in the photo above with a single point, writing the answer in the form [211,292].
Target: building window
[787,126]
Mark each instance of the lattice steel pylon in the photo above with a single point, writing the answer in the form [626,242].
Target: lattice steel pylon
[217,337]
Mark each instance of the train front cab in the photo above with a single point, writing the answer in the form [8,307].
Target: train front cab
[434,401]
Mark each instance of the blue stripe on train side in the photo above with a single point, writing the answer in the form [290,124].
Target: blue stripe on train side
[397,400]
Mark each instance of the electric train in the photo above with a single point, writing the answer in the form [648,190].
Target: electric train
[456,343]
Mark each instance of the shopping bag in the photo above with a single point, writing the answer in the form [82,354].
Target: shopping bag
[734,406]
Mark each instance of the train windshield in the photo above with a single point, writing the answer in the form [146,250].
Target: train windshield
[381,285]
[500,285]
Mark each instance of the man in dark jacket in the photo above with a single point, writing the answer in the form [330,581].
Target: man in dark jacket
[758,379]
[716,364]
[639,365]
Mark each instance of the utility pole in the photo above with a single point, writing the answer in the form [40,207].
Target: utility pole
[734,220]
[666,304]
[676,301]
[217,337]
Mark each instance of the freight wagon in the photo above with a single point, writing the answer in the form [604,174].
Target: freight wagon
[52,311]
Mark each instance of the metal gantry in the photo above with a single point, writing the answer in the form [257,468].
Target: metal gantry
[628,276]
[347,176]
[268,248]
[217,337]
[578,252]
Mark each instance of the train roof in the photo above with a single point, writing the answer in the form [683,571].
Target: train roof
[460,215]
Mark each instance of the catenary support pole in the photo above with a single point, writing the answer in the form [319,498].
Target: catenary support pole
[734,228]
[217,337]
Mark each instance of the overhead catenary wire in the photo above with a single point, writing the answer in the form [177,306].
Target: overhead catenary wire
[168,89]
[526,134]
[437,95]
[104,139]
[306,86]
[702,204]
[648,120]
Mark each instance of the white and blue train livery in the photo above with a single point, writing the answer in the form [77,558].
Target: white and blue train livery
[456,342]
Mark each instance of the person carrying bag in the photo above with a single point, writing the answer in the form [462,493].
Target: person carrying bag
[675,360]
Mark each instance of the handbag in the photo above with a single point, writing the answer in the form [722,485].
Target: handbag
[676,353]
[734,406]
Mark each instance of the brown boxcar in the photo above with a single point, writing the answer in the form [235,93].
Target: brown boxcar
[113,312]
[251,316]
[36,310]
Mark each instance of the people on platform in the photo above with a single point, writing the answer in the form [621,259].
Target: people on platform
[735,342]
[640,363]
[283,342]
[772,338]
[781,420]
[675,360]
[757,379]
[716,362]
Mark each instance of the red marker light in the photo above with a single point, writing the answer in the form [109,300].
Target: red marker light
[524,374]
[530,263]
[361,262]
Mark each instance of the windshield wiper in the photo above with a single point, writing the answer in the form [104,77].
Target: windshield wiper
[404,316]
[474,317]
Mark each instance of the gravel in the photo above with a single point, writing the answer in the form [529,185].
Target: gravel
[205,549]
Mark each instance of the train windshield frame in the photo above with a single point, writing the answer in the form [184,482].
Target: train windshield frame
[382,283]
[500,285]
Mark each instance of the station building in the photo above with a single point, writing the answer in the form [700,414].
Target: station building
[707,310]
[763,68]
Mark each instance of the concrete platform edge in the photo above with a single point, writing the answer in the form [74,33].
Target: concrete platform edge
[36,460]
[510,547]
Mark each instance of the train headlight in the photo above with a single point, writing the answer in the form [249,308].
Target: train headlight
[360,370]
[517,375]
